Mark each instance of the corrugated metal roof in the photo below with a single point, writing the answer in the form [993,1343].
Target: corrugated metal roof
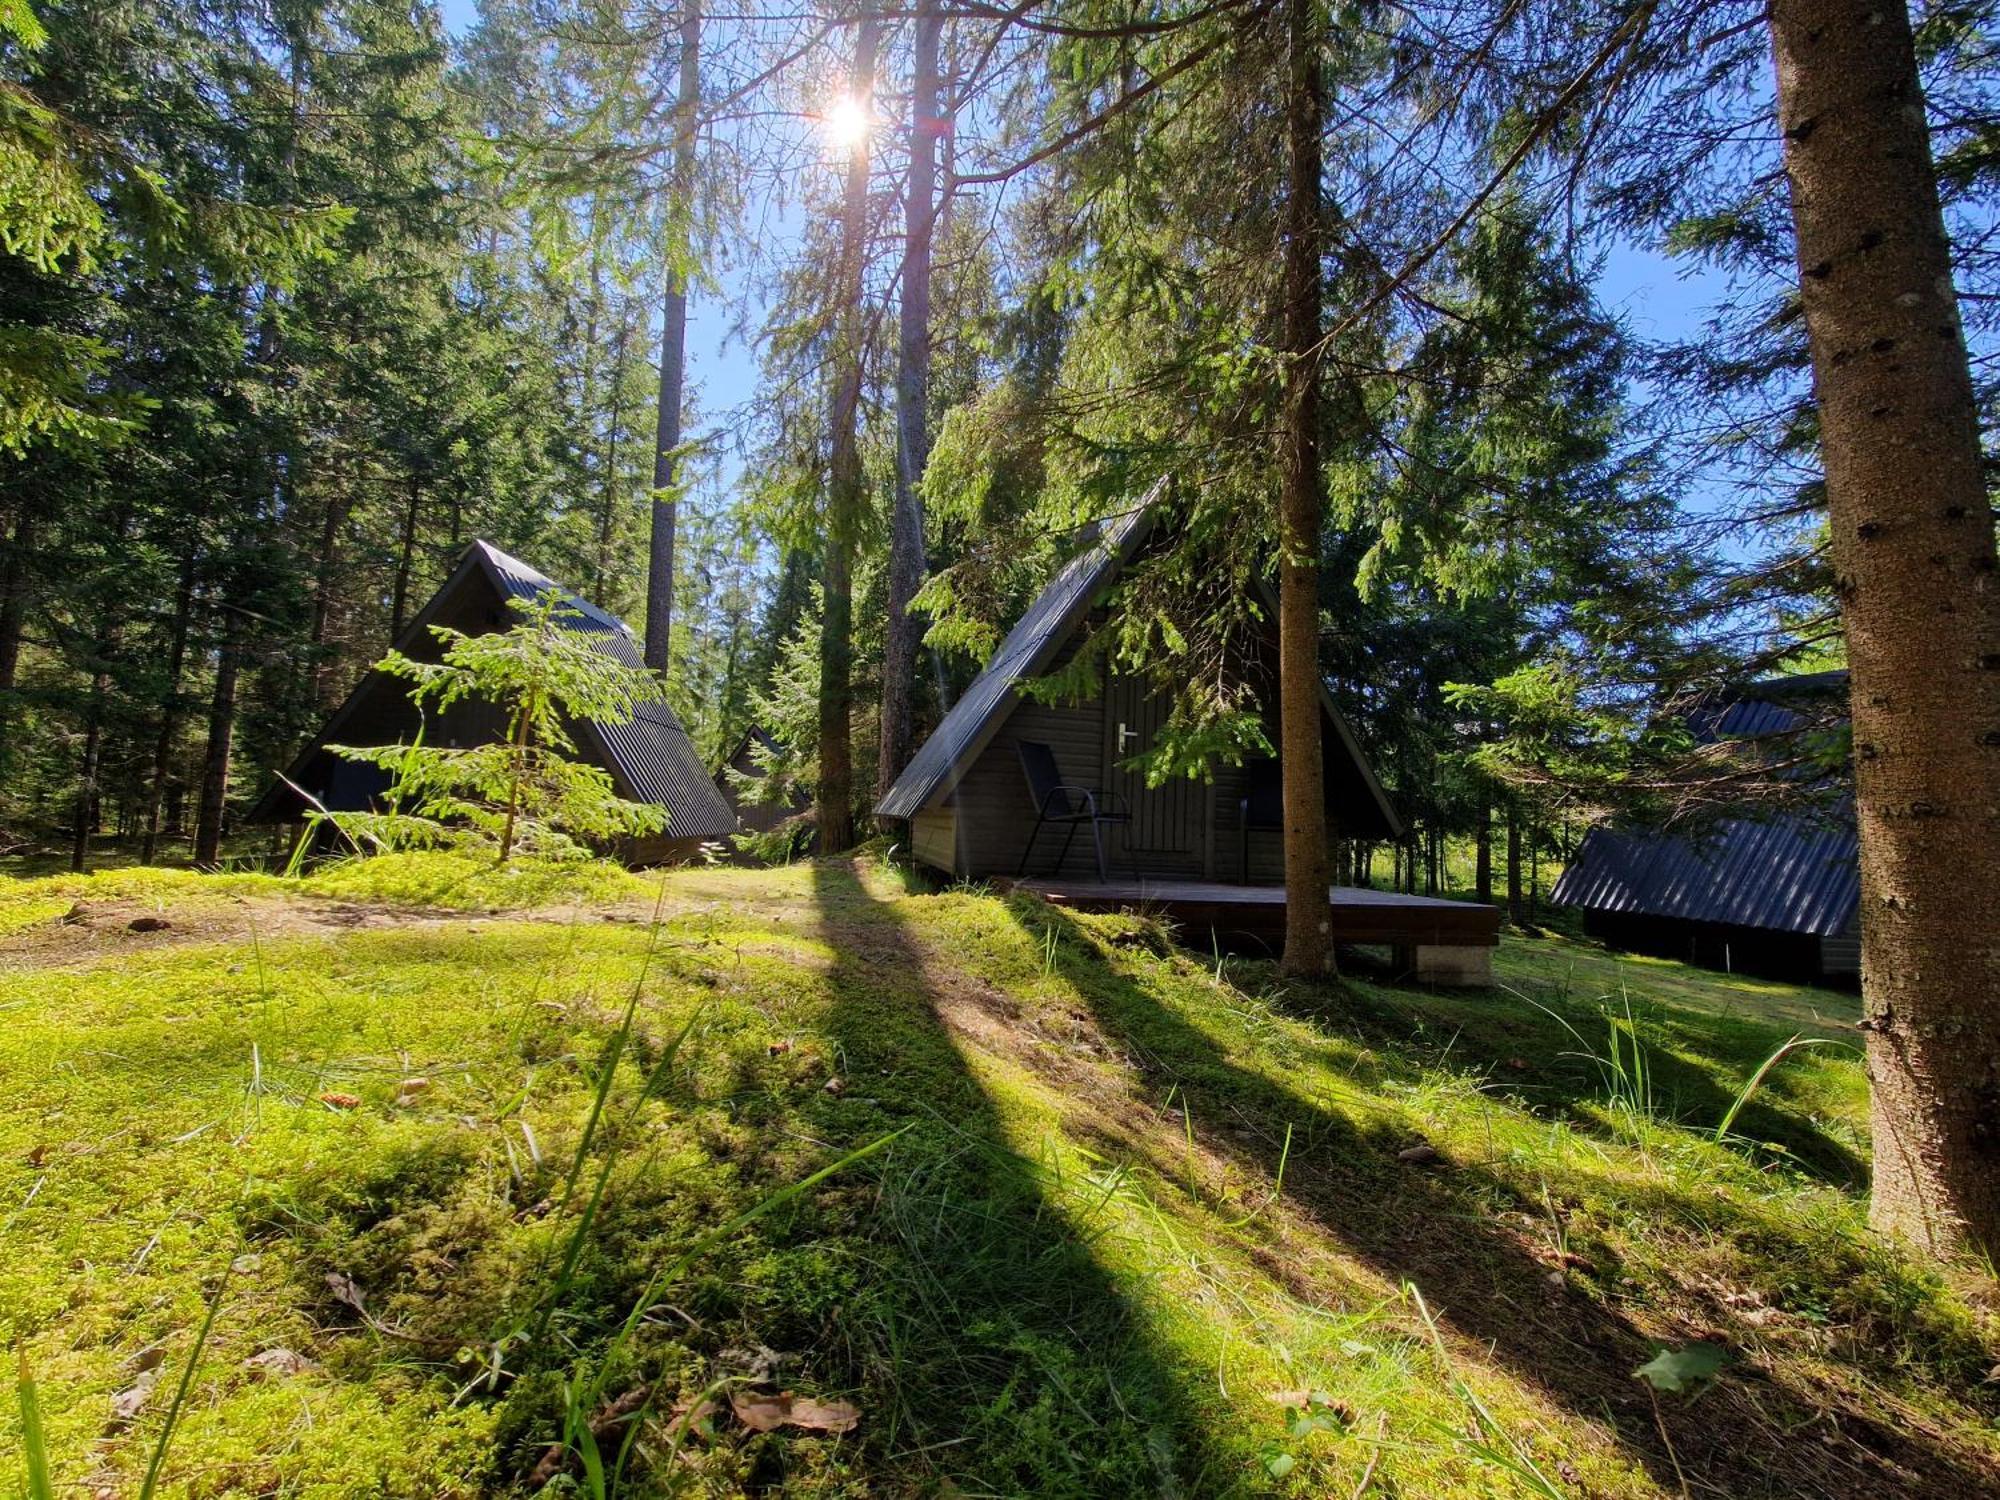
[520,581]
[1027,651]
[652,754]
[1033,644]
[1788,871]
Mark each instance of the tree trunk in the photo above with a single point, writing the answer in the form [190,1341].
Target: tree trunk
[215,762]
[406,557]
[170,710]
[1913,555]
[93,749]
[673,350]
[607,520]
[1517,909]
[913,384]
[14,575]
[322,608]
[517,774]
[1308,916]
[1482,856]
[844,488]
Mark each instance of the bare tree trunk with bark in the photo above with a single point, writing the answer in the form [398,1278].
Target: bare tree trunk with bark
[1482,856]
[14,587]
[406,558]
[913,389]
[845,491]
[673,353]
[170,709]
[1913,553]
[215,760]
[1302,504]
[1517,905]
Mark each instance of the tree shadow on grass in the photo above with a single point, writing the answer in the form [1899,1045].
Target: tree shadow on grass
[1762,1431]
[1009,1359]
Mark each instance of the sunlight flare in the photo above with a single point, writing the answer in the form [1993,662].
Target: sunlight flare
[848,122]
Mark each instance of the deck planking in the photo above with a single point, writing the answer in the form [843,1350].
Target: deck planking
[1359,914]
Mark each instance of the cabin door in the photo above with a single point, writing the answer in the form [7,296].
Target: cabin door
[1167,820]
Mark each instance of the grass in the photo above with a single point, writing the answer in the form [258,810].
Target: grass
[1129,1221]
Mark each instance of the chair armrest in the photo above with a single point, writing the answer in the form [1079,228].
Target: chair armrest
[1089,797]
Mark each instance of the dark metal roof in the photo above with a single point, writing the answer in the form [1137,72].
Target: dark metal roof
[1791,873]
[1031,646]
[1795,871]
[652,755]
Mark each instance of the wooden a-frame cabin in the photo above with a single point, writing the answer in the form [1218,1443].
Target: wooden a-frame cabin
[650,759]
[979,793]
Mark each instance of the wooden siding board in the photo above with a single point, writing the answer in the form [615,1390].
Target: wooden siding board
[934,838]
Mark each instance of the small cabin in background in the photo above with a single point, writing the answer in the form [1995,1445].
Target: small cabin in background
[1777,894]
[650,759]
[740,780]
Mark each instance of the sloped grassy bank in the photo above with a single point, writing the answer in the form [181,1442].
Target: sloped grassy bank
[1132,1225]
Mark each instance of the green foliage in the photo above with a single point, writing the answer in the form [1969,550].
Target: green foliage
[544,675]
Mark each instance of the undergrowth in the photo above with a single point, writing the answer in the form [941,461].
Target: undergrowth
[470,1206]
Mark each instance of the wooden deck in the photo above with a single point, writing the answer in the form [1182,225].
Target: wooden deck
[1438,938]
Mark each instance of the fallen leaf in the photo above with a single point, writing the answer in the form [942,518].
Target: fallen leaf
[764,1413]
[148,924]
[1683,1369]
[127,1404]
[345,1291]
[273,1363]
[340,1101]
[1421,1154]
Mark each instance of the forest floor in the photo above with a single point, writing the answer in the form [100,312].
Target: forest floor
[366,1184]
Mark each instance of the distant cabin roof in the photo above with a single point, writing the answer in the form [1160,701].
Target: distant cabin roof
[1793,871]
[1033,645]
[652,755]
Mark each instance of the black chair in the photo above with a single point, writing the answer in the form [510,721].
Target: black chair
[1262,809]
[1058,801]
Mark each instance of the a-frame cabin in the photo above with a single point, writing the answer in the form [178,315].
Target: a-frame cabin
[1208,849]
[650,759]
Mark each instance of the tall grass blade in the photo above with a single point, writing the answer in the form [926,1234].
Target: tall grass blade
[34,1440]
[166,1437]
[1743,1096]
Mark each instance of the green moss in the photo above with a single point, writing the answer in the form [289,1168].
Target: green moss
[1075,1272]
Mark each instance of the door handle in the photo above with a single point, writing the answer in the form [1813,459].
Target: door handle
[1125,734]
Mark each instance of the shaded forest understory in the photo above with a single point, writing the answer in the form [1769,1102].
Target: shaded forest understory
[1148,1223]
